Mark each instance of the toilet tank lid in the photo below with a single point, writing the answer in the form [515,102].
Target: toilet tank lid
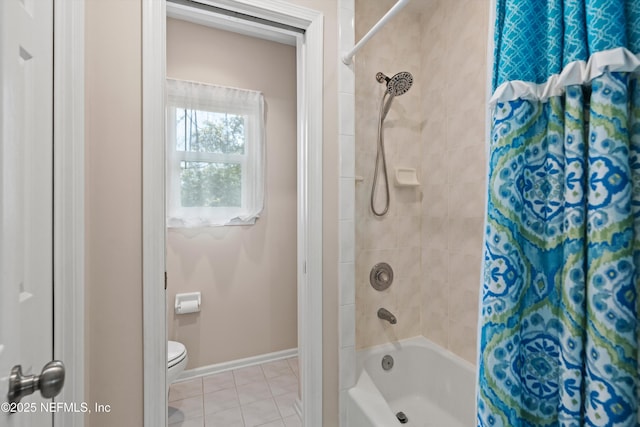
[175,350]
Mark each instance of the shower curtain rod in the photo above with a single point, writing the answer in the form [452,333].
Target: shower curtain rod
[348,57]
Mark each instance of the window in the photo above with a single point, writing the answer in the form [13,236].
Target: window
[215,161]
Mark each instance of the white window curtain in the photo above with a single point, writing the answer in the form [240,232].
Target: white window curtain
[206,99]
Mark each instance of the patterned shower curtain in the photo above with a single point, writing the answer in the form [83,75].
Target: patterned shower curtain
[558,334]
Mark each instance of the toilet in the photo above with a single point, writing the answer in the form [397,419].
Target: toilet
[176,361]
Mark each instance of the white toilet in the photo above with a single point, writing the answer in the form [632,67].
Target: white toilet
[176,361]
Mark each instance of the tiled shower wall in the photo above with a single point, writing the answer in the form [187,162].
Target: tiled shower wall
[396,237]
[454,69]
[432,235]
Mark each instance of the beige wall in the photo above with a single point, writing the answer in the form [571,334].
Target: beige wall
[114,218]
[247,274]
[439,128]
[113,211]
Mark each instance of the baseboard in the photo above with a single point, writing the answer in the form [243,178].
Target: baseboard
[236,364]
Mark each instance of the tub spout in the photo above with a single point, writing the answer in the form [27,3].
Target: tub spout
[385,314]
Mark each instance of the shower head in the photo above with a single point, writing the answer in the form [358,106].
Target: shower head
[398,84]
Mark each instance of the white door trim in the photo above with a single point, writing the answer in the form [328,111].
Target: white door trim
[68,181]
[153,216]
[310,119]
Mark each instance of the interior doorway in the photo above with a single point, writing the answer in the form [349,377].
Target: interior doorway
[231,237]
[253,17]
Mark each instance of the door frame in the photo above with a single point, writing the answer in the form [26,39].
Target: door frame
[309,53]
[68,203]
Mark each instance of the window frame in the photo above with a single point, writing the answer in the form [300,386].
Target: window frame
[202,97]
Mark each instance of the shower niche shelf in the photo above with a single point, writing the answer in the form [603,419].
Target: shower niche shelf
[406,177]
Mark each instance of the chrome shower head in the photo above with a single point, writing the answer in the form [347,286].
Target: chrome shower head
[398,84]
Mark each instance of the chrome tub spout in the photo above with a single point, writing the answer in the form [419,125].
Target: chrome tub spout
[385,314]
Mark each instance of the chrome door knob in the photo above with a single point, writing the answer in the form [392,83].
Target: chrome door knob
[49,382]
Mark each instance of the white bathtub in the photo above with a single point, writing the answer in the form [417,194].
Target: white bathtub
[432,386]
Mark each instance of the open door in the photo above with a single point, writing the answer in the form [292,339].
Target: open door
[26,214]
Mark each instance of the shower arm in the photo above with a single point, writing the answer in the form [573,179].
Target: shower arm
[348,57]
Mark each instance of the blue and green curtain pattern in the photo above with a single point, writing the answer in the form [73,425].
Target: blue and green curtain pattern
[558,333]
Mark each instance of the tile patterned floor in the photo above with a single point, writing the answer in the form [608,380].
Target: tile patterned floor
[260,395]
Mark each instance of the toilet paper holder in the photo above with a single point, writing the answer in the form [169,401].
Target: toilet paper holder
[188,302]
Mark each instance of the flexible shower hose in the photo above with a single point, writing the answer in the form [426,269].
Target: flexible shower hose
[380,154]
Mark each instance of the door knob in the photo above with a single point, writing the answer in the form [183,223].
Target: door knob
[49,382]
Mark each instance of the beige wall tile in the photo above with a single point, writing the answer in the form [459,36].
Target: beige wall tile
[407,228]
[433,108]
[462,341]
[466,199]
[435,199]
[472,157]
[434,134]
[407,292]
[443,43]
[465,123]
[437,265]
[378,233]
[435,164]
[407,263]
[466,235]
[435,231]
[409,324]
[463,305]
[435,310]
[396,237]
[408,201]
[465,269]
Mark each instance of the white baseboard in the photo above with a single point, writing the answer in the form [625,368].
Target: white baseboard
[237,364]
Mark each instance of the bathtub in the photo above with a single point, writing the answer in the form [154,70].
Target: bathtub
[430,385]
